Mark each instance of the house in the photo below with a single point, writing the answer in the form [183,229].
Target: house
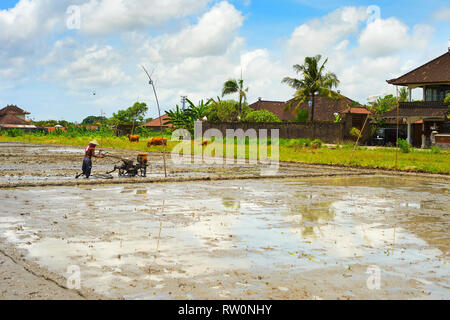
[58,127]
[14,110]
[276,107]
[155,124]
[431,114]
[324,108]
[12,117]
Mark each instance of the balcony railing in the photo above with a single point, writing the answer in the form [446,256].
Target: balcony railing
[423,104]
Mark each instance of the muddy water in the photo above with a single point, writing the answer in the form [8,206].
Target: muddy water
[295,239]
[23,162]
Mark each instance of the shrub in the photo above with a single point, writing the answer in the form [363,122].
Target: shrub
[226,110]
[317,143]
[435,150]
[302,116]
[261,116]
[355,133]
[404,146]
[15,133]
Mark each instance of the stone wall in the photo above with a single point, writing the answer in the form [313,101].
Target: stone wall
[328,132]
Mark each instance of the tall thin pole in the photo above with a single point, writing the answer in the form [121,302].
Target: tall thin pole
[396,151]
[160,120]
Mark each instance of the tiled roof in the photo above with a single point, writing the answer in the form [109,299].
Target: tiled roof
[12,109]
[12,119]
[324,108]
[356,110]
[435,71]
[157,123]
[276,107]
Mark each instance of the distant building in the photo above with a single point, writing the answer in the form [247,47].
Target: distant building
[324,108]
[14,110]
[431,114]
[276,107]
[155,124]
[13,117]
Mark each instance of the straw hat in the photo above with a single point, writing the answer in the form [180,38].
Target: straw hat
[94,142]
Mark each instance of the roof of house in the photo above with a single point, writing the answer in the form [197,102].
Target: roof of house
[276,107]
[51,129]
[356,110]
[324,108]
[12,109]
[12,119]
[156,122]
[434,71]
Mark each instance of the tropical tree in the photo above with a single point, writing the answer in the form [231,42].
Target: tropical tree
[447,99]
[381,106]
[403,95]
[198,112]
[226,111]
[131,116]
[314,82]
[178,118]
[236,86]
[185,118]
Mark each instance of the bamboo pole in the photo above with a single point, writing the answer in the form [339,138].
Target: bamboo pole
[160,120]
[396,149]
[359,137]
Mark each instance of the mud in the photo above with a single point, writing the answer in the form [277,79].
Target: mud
[298,239]
[294,238]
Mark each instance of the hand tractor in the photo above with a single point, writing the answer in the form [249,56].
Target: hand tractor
[129,169]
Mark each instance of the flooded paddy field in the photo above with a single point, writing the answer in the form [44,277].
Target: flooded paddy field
[25,162]
[302,238]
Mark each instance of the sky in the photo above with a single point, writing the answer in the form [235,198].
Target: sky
[55,54]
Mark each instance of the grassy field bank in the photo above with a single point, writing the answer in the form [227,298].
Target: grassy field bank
[294,150]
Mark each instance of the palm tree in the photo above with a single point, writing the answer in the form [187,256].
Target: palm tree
[314,82]
[235,86]
[403,95]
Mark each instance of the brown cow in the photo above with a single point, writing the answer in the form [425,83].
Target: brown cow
[157,141]
[133,138]
[205,142]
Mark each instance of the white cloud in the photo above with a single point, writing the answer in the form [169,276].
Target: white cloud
[109,16]
[318,35]
[386,36]
[212,35]
[96,66]
[194,57]
[442,14]
[26,20]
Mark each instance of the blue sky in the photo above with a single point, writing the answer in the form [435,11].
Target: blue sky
[195,45]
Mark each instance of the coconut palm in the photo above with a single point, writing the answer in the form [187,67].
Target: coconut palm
[403,95]
[236,86]
[314,82]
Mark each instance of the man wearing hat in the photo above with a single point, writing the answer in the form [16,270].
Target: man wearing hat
[89,152]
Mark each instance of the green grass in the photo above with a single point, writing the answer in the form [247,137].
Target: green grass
[293,150]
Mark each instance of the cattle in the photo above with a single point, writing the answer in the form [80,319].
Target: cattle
[205,142]
[133,138]
[157,141]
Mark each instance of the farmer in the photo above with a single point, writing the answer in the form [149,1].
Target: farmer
[89,152]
